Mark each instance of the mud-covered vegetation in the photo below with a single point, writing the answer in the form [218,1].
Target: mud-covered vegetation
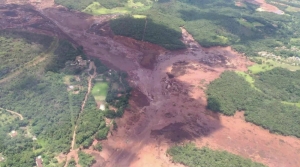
[192,156]
[271,103]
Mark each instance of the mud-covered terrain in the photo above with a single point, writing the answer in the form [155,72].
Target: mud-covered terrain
[168,103]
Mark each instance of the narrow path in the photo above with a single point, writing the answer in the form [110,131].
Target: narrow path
[73,151]
[42,57]
[13,112]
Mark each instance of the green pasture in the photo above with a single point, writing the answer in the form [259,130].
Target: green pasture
[99,90]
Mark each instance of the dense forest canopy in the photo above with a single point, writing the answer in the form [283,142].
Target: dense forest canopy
[272,103]
[192,156]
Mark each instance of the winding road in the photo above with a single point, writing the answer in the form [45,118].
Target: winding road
[13,112]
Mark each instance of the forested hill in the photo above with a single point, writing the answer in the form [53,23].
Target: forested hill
[212,23]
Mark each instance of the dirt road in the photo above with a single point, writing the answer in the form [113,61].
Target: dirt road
[74,152]
[13,112]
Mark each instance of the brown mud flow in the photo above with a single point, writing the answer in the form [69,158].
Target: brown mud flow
[168,105]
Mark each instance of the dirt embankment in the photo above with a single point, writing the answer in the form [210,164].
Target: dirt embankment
[169,103]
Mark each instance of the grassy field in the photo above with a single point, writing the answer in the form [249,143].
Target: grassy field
[289,103]
[247,77]
[137,16]
[96,9]
[99,91]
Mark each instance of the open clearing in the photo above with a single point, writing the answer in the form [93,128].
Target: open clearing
[247,77]
[100,89]
[99,92]
[171,105]
[289,103]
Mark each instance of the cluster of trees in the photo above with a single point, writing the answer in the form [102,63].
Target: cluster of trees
[118,93]
[91,124]
[72,163]
[265,105]
[17,151]
[85,160]
[230,93]
[63,53]
[18,48]
[280,84]
[101,68]
[192,156]
[98,147]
